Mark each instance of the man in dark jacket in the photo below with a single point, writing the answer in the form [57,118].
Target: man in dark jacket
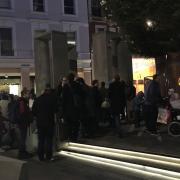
[72,106]
[44,108]
[117,100]
[152,100]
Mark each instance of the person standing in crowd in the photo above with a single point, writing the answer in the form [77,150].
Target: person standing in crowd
[22,116]
[4,105]
[11,109]
[84,113]
[104,97]
[44,109]
[117,101]
[152,100]
[71,106]
[96,105]
[103,91]
[138,103]
[130,95]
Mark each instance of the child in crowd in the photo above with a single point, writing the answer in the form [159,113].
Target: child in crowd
[138,108]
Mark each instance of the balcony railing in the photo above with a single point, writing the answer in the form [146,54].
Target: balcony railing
[7,52]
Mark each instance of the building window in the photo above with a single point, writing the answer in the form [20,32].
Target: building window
[100,28]
[6,45]
[38,5]
[69,7]
[96,8]
[71,38]
[5,4]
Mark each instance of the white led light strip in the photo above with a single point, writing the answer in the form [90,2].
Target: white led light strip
[134,169]
[120,156]
[126,152]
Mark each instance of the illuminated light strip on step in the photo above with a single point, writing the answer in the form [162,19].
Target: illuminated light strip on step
[123,156]
[127,152]
[134,169]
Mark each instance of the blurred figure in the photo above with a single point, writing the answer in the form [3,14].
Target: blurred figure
[3,129]
[117,101]
[130,95]
[84,113]
[11,109]
[96,105]
[71,106]
[138,103]
[105,105]
[4,105]
[103,91]
[23,120]
[152,100]
[44,109]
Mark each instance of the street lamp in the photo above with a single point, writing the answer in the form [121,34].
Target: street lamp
[149,23]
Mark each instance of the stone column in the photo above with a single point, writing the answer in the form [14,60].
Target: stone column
[51,59]
[25,79]
[42,64]
[111,56]
[87,75]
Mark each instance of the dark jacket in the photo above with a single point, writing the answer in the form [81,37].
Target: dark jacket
[72,100]
[117,96]
[44,108]
[153,94]
[104,93]
[11,111]
[22,111]
[96,100]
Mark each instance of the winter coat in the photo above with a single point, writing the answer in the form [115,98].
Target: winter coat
[117,96]
[44,109]
[72,100]
[153,94]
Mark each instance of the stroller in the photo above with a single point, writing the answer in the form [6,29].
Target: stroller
[174,125]
[169,114]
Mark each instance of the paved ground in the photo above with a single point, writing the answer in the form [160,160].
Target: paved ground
[70,169]
[63,168]
[169,146]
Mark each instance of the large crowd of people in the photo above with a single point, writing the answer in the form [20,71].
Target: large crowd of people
[82,109]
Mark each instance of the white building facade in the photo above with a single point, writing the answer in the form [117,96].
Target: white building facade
[20,20]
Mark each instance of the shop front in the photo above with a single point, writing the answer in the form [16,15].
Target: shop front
[142,69]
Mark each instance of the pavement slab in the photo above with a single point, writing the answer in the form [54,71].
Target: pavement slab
[10,168]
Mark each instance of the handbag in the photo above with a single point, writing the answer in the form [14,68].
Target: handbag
[105,104]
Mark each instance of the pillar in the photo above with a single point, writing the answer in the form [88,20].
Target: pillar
[87,75]
[25,79]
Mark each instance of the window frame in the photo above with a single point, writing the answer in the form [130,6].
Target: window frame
[11,9]
[39,12]
[75,9]
[97,27]
[12,42]
[98,6]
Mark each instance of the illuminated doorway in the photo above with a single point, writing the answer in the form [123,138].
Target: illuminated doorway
[142,67]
